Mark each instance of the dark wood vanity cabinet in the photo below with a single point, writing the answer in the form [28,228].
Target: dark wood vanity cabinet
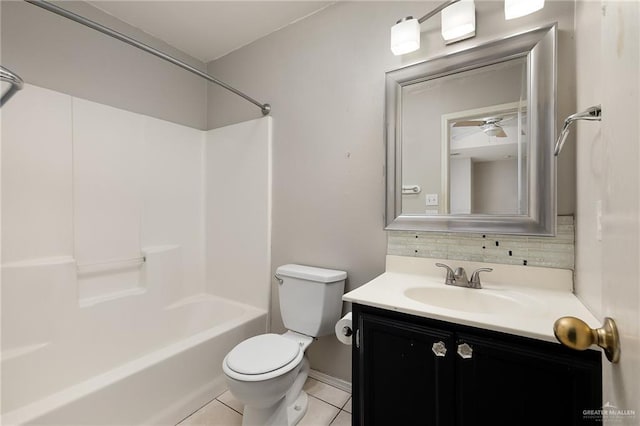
[400,378]
[410,370]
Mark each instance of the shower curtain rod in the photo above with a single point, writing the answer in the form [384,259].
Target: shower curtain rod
[265,108]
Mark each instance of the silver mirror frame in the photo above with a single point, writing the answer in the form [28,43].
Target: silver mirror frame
[539,46]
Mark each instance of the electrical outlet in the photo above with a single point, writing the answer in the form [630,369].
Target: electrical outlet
[432,199]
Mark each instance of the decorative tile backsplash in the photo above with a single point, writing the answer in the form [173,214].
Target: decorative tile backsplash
[550,252]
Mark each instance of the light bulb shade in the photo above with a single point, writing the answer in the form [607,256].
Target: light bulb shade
[459,21]
[405,36]
[491,131]
[517,8]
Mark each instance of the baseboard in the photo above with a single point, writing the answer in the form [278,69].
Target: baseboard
[330,380]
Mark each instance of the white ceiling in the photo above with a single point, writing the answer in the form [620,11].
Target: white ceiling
[210,29]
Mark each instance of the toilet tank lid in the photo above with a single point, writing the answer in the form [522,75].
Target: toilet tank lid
[311,273]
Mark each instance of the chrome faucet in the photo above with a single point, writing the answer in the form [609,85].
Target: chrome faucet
[474,282]
[459,276]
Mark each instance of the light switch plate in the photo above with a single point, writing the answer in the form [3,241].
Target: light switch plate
[432,199]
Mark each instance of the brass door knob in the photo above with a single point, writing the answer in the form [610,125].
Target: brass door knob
[576,334]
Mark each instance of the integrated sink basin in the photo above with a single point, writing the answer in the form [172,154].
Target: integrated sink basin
[481,301]
[514,299]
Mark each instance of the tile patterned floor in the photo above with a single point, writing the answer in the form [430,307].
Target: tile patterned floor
[327,406]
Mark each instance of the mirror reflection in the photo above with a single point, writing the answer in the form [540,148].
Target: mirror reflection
[464,142]
[469,138]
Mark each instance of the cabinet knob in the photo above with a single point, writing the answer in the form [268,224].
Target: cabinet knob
[439,348]
[465,351]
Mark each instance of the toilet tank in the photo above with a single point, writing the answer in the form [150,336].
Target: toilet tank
[310,298]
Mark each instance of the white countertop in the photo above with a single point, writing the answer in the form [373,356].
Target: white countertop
[519,300]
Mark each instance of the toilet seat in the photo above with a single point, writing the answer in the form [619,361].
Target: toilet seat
[263,357]
[262,354]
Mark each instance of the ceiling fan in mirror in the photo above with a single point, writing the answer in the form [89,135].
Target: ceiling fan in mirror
[491,126]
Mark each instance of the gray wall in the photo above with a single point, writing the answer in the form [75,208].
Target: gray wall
[494,188]
[324,77]
[53,52]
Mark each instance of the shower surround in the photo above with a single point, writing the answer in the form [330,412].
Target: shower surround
[125,259]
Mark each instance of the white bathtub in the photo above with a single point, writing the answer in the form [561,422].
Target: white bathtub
[132,359]
[113,227]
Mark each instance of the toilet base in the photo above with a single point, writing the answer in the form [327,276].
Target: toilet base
[285,412]
[275,400]
[278,415]
[298,409]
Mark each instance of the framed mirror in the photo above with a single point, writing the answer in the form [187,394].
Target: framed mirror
[470,137]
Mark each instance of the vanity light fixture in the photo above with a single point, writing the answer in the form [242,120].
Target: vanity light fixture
[517,8]
[405,36]
[458,23]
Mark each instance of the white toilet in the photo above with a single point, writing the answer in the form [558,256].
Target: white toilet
[267,372]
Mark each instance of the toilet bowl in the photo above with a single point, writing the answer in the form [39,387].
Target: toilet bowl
[267,372]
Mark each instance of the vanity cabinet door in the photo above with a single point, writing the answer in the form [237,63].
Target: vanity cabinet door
[484,378]
[501,382]
[405,374]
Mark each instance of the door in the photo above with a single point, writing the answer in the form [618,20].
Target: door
[532,384]
[607,40]
[406,374]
